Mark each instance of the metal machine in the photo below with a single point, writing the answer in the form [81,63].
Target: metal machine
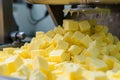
[55,8]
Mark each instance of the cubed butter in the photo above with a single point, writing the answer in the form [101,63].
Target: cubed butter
[75,50]
[59,56]
[70,25]
[84,26]
[61,44]
[14,63]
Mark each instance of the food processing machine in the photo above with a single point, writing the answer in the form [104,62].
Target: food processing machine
[9,30]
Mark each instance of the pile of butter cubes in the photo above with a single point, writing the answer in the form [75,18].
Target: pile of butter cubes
[77,50]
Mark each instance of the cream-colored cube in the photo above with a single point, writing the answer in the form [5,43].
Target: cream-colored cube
[59,30]
[50,33]
[77,36]
[84,26]
[37,75]
[70,25]
[3,69]
[57,37]
[75,50]
[61,44]
[23,70]
[41,52]
[80,59]
[92,50]
[68,37]
[41,64]
[94,75]
[8,50]
[13,63]
[110,61]
[86,40]
[52,65]
[59,56]
[96,64]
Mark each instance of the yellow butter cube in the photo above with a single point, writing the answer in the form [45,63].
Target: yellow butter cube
[68,37]
[13,63]
[84,26]
[52,65]
[50,48]
[58,56]
[50,33]
[96,64]
[110,61]
[57,37]
[116,66]
[28,62]
[59,30]
[75,50]
[40,52]
[23,53]
[55,74]
[61,44]
[37,75]
[86,40]
[3,69]
[77,36]
[8,50]
[23,70]
[70,25]
[80,59]
[92,50]
[41,64]
[94,75]
[39,34]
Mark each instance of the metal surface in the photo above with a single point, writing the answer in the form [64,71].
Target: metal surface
[73,1]
[7,23]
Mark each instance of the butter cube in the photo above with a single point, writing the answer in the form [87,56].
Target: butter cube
[50,33]
[57,37]
[92,50]
[37,75]
[59,30]
[13,63]
[40,52]
[50,48]
[23,53]
[39,34]
[55,74]
[77,36]
[8,50]
[68,37]
[80,59]
[28,62]
[110,61]
[52,65]
[96,64]
[86,40]
[23,70]
[59,56]
[75,50]
[61,44]
[3,69]
[116,66]
[70,25]
[84,26]
[41,64]
[94,75]
[37,43]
